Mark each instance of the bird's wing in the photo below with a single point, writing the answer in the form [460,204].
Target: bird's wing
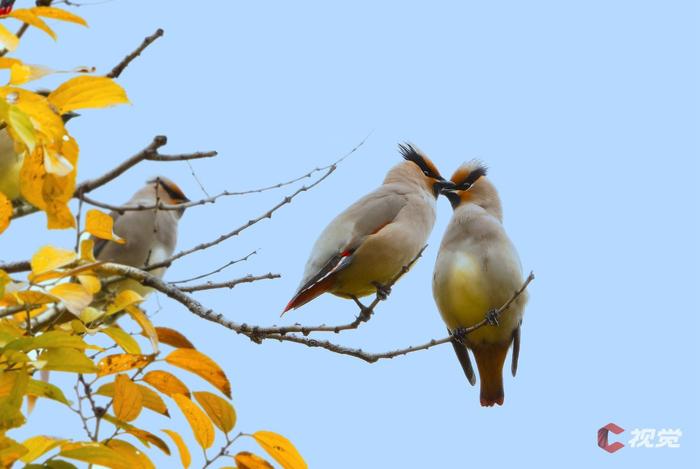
[334,249]
[463,357]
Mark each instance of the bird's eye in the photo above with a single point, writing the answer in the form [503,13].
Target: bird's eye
[426,172]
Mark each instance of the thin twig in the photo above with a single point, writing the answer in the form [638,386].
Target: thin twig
[216,271]
[229,284]
[119,68]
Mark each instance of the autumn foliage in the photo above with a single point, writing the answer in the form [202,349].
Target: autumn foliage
[123,364]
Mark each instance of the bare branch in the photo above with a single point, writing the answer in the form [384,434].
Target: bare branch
[258,334]
[225,266]
[15,267]
[214,198]
[268,214]
[229,284]
[119,68]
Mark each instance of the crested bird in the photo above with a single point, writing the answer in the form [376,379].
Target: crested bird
[368,244]
[477,270]
[150,234]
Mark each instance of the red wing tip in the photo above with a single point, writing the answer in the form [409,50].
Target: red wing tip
[289,306]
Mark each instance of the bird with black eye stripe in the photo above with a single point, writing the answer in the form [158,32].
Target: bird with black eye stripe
[368,244]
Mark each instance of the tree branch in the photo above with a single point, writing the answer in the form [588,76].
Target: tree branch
[229,284]
[119,68]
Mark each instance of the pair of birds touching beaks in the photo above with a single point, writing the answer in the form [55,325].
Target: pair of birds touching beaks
[367,245]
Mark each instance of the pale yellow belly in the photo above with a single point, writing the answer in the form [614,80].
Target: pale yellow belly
[464,293]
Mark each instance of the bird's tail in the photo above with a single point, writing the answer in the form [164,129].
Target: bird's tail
[304,296]
[489,361]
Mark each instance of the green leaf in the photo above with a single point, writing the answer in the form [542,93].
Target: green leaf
[67,359]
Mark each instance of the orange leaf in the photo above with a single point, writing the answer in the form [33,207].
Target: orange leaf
[281,449]
[219,410]
[166,383]
[246,460]
[122,362]
[151,399]
[128,400]
[173,337]
[200,424]
[200,364]
[185,457]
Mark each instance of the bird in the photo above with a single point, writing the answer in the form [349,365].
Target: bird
[151,234]
[370,242]
[150,237]
[477,270]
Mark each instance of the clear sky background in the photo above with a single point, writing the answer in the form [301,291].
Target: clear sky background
[586,114]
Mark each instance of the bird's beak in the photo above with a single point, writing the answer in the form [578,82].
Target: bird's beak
[441,185]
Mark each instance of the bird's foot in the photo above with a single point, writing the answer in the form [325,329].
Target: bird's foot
[492,317]
[460,334]
[365,312]
[383,291]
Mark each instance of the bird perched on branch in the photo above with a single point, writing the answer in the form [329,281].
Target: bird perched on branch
[369,243]
[150,234]
[476,272]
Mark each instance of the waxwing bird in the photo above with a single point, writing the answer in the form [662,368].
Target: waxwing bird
[150,234]
[476,272]
[368,244]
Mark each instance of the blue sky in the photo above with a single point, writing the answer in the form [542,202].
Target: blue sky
[586,114]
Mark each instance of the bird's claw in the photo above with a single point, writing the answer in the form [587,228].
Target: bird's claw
[492,317]
[383,291]
[460,334]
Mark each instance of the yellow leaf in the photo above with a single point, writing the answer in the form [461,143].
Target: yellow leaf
[200,364]
[87,246]
[39,445]
[101,225]
[128,400]
[5,212]
[122,362]
[201,425]
[87,92]
[123,299]
[13,386]
[46,390]
[166,383]
[21,127]
[281,449]
[90,282]
[73,295]
[58,14]
[50,339]
[185,457]
[31,19]
[136,459]
[219,410]
[7,39]
[123,339]
[94,453]
[246,460]
[147,328]
[10,451]
[67,359]
[173,337]
[151,399]
[49,258]
[56,164]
